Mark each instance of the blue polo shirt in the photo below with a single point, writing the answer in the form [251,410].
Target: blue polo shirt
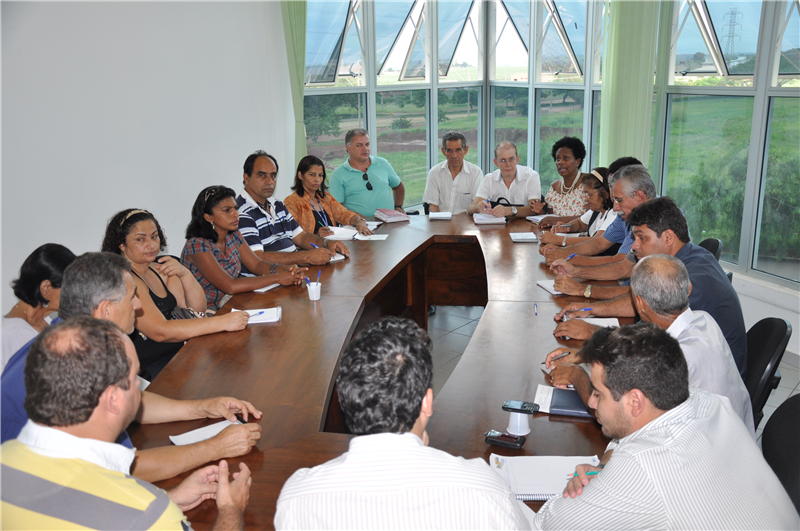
[12,411]
[712,292]
[348,186]
[620,232]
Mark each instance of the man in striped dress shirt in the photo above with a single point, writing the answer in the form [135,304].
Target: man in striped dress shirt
[680,459]
[390,478]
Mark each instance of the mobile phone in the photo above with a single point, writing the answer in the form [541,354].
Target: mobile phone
[518,406]
[505,440]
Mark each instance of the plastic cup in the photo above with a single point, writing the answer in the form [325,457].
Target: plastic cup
[518,424]
[314,290]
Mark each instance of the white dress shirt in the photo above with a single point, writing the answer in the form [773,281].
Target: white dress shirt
[391,481]
[525,186]
[449,194]
[50,442]
[694,467]
[711,365]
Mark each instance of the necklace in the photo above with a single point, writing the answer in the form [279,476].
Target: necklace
[565,190]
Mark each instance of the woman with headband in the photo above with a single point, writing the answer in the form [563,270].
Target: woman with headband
[215,252]
[163,285]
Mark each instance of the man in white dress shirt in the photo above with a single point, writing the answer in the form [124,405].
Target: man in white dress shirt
[390,478]
[515,185]
[661,287]
[679,459]
[453,184]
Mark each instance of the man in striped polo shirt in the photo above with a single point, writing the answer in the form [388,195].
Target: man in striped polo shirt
[65,470]
[678,459]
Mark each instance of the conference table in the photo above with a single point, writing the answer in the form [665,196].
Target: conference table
[288,369]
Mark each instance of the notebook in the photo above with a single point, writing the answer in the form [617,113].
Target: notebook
[440,215]
[557,401]
[263,315]
[266,288]
[538,478]
[523,237]
[488,219]
[536,219]
[390,216]
[549,286]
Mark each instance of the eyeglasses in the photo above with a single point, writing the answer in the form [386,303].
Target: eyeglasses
[211,191]
[369,184]
[504,161]
[618,200]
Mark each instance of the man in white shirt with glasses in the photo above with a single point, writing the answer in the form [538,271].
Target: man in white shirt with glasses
[507,191]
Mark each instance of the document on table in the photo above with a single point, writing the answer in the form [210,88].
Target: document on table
[372,225]
[488,219]
[266,288]
[201,434]
[523,237]
[602,321]
[536,219]
[549,286]
[338,257]
[440,215]
[263,315]
[538,478]
[371,237]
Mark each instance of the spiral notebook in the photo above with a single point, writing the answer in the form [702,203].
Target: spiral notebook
[538,478]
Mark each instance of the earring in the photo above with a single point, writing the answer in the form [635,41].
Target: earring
[212,226]
[46,304]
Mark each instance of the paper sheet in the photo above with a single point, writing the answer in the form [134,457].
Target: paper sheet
[263,315]
[266,288]
[523,237]
[536,219]
[538,477]
[549,286]
[488,219]
[440,215]
[338,257]
[373,237]
[200,434]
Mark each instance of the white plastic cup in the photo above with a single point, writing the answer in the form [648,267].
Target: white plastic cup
[518,424]
[314,290]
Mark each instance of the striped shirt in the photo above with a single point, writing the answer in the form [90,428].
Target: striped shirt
[391,481]
[452,195]
[54,480]
[271,231]
[694,467]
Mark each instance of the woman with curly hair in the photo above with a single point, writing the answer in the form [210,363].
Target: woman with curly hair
[38,289]
[215,251]
[163,285]
[565,199]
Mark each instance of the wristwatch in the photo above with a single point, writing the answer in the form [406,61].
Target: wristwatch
[514,211]
[588,292]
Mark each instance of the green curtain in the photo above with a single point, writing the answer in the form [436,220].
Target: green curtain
[294,30]
[628,73]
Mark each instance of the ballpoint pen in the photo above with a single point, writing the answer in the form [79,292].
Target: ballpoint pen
[535,309]
[567,259]
[592,473]
[315,246]
[562,355]
[319,272]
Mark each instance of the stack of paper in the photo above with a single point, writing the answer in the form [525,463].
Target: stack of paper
[488,219]
[266,288]
[370,237]
[523,237]
[536,219]
[549,286]
[263,315]
[390,216]
[440,215]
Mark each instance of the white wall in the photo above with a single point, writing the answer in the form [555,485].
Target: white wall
[107,106]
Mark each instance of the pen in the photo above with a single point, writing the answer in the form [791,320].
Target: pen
[257,314]
[562,355]
[580,310]
[318,274]
[317,246]
[240,420]
[567,259]
[535,309]
[308,282]
[592,473]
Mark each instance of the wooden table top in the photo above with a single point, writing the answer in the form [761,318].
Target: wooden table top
[287,369]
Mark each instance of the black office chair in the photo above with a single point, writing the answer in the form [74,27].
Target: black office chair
[779,444]
[713,246]
[766,343]
[730,276]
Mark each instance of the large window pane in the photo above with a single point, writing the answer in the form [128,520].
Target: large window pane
[460,58]
[790,43]
[402,137]
[512,29]
[327,118]
[560,114]
[708,146]
[595,155]
[351,66]
[324,38]
[458,111]
[736,27]
[573,18]
[778,239]
[511,119]
[389,19]
[401,46]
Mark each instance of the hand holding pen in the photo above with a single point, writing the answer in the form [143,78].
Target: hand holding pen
[583,475]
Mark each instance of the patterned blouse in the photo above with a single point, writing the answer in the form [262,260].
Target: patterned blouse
[230,262]
[572,203]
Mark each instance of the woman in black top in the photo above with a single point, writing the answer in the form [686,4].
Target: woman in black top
[164,286]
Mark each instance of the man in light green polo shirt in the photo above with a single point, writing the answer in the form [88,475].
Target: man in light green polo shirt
[363,183]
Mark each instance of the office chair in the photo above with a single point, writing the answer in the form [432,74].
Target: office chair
[729,274]
[779,444]
[766,343]
[713,246]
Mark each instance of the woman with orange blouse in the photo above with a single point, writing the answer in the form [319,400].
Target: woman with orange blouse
[312,207]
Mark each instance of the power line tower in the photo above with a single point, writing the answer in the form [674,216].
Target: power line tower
[732,15]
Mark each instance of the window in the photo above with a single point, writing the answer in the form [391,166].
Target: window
[400,39]
[512,29]
[334,43]
[327,118]
[511,119]
[459,110]
[560,115]
[459,48]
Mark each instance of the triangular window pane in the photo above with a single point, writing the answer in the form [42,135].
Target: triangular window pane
[573,17]
[691,52]
[325,21]
[555,59]
[389,19]
[416,65]
[736,27]
[452,19]
[790,46]
[520,13]
[351,57]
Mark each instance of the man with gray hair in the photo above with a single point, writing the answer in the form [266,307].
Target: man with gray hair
[100,285]
[630,187]
[660,290]
[453,184]
[509,190]
[364,183]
